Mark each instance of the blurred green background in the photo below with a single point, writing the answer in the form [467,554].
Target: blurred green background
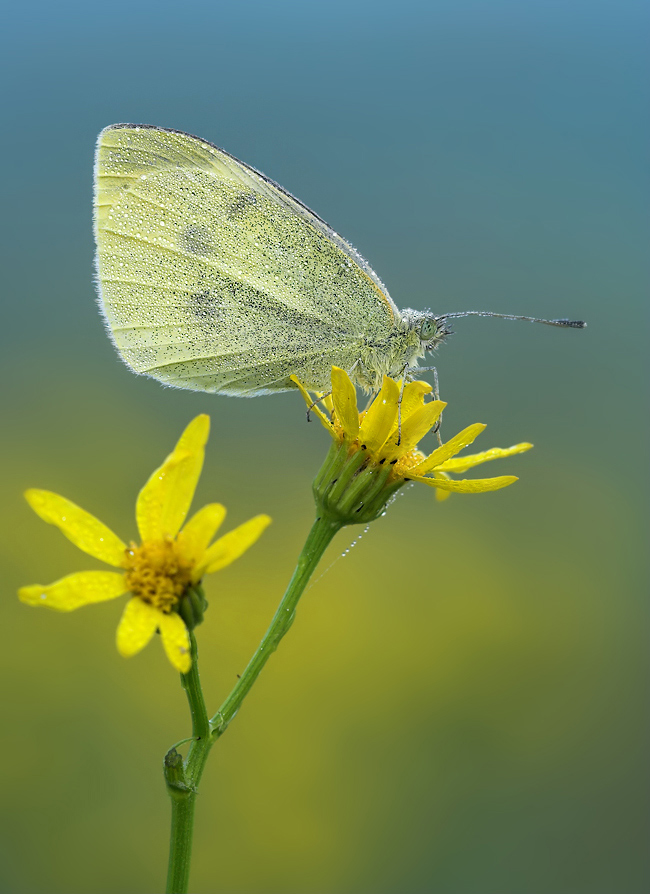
[461,704]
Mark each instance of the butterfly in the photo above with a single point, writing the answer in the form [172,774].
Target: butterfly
[212,277]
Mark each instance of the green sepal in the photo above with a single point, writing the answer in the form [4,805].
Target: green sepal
[351,488]
[192,606]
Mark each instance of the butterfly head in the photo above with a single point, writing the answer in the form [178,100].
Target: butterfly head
[432,330]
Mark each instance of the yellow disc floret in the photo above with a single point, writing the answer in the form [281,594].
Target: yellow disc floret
[156,573]
[406,462]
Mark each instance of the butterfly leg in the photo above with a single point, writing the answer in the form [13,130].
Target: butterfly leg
[419,369]
[317,401]
[405,373]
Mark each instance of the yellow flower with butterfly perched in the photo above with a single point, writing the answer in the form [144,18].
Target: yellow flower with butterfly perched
[163,572]
[386,435]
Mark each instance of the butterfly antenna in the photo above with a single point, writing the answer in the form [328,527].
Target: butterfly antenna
[566,324]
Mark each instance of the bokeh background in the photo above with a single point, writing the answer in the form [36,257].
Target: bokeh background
[460,706]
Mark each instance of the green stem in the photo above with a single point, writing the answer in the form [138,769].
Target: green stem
[180,846]
[318,539]
[183,777]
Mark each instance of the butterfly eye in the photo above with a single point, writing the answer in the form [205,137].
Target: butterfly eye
[427,330]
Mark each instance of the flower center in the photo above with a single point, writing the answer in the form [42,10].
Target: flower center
[401,465]
[406,462]
[156,573]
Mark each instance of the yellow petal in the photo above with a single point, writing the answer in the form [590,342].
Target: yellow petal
[313,407]
[195,436]
[415,427]
[75,590]
[467,485]
[441,495]
[231,546]
[193,540]
[463,463]
[164,501]
[344,398]
[79,526]
[379,418]
[451,448]
[413,397]
[138,624]
[176,641]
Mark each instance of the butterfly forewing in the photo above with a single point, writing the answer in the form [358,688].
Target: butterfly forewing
[212,277]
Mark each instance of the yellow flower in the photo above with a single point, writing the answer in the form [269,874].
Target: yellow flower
[167,565]
[376,431]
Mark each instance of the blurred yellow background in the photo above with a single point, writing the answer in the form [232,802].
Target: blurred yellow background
[460,706]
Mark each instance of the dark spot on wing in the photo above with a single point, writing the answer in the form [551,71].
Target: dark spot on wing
[242,204]
[197,240]
[205,306]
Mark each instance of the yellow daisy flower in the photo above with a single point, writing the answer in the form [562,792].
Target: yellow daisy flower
[375,434]
[162,573]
